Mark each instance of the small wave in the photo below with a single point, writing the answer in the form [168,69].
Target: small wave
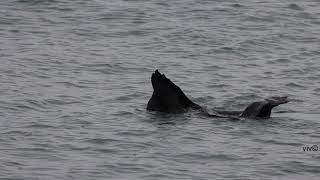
[11,163]
[300,167]
[75,148]
[105,150]
[128,97]
[167,123]
[279,61]
[227,48]
[219,86]
[23,106]
[123,113]
[63,9]
[260,19]
[141,132]
[159,176]
[70,84]
[277,142]
[130,168]
[98,65]
[201,156]
[35,149]
[246,96]
[236,5]
[61,102]
[123,98]
[305,15]
[37,74]
[294,85]
[293,71]
[203,99]
[37,104]
[317,90]
[314,77]
[213,67]
[33,1]
[38,125]
[17,132]
[103,141]
[295,7]
[121,34]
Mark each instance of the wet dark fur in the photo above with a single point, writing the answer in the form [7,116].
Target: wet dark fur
[167,97]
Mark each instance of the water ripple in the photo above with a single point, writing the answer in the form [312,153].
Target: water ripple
[75,80]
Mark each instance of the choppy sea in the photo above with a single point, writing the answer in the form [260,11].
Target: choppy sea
[75,81]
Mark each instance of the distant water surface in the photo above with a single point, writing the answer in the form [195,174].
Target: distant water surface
[75,80]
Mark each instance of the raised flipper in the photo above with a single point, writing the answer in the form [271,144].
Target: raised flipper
[262,109]
[168,97]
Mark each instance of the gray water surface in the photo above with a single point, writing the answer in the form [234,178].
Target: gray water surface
[75,81]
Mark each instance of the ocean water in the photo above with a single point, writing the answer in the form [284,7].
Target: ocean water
[75,81]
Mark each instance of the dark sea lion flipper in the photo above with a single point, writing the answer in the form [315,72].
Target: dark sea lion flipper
[167,97]
[185,102]
[155,79]
[262,109]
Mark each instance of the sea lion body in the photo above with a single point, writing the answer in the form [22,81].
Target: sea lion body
[169,98]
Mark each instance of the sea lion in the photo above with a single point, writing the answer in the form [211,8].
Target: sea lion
[169,98]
